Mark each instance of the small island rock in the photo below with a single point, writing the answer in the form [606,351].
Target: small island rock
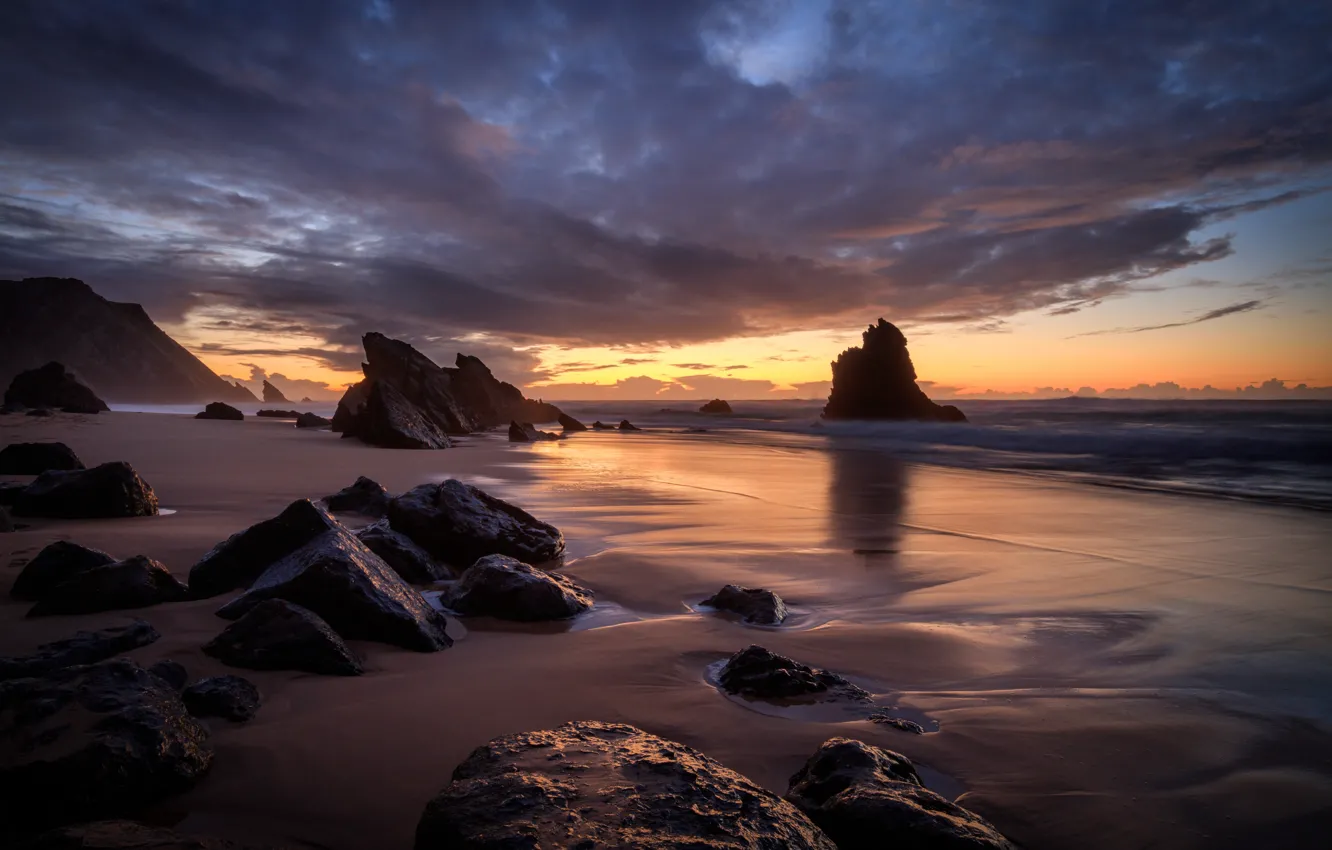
[717,405]
[758,673]
[626,425]
[878,381]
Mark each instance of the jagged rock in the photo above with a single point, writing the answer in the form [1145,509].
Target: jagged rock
[592,785]
[527,433]
[715,406]
[602,426]
[232,698]
[9,493]
[218,410]
[171,672]
[82,648]
[242,557]
[311,420]
[866,798]
[109,490]
[458,524]
[92,742]
[878,381]
[240,392]
[626,425]
[389,420]
[758,673]
[268,413]
[756,605]
[407,559]
[273,395]
[136,582]
[360,596]
[569,424]
[128,835]
[501,587]
[899,723]
[364,496]
[277,635]
[53,385]
[349,408]
[36,458]
[58,562]
[491,401]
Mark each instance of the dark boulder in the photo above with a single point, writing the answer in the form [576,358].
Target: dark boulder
[58,562]
[40,411]
[311,420]
[498,586]
[390,421]
[866,798]
[757,673]
[232,698]
[82,648]
[602,426]
[36,458]
[407,559]
[716,406]
[458,524]
[219,410]
[128,835]
[356,593]
[527,433]
[92,742]
[626,425]
[171,672]
[273,395]
[569,424]
[268,413]
[899,723]
[277,635]
[242,557]
[756,605]
[109,490]
[593,785]
[363,496]
[9,492]
[136,582]
[349,408]
[53,385]
[878,381]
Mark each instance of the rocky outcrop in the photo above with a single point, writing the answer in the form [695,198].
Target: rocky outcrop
[411,562]
[602,426]
[277,635]
[591,784]
[55,386]
[36,458]
[232,698]
[878,381]
[758,673]
[626,425]
[136,582]
[219,410]
[171,672]
[109,490]
[363,496]
[82,648]
[754,604]
[273,395]
[866,798]
[569,424]
[389,420]
[311,420]
[498,586]
[58,562]
[128,835]
[716,406]
[527,433]
[242,557]
[459,524]
[92,742]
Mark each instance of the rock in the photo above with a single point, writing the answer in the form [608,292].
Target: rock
[36,458]
[53,385]
[458,524]
[600,785]
[716,406]
[389,420]
[307,400]
[310,420]
[39,411]
[232,698]
[360,596]
[58,562]
[757,673]
[269,413]
[498,586]
[277,635]
[218,410]
[570,425]
[128,835]
[273,395]
[756,605]
[171,672]
[626,425]
[408,560]
[866,798]
[364,496]
[109,490]
[602,426]
[242,557]
[349,408]
[527,433]
[82,648]
[136,582]
[492,402]
[878,381]
[92,742]
[900,723]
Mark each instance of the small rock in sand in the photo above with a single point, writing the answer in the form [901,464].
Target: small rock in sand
[230,697]
[365,496]
[900,723]
[758,673]
[501,587]
[109,490]
[756,605]
[528,433]
[458,524]
[278,635]
[136,582]
[82,648]
[58,562]
[36,458]
[602,426]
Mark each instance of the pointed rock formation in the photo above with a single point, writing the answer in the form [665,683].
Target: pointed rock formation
[53,386]
[36,458]
[277,635]
[241,558]
[407,559]
[459,524]
[109,490]
[878,381]
[528,433]
[273,395]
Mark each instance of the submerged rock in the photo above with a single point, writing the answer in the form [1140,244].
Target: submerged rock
[626,425]
[527,433]
[389,420]
[277,635]
[501,587]
[128,835]
[593,785]
[758,673]
[230,697]
[242,557]
[36,458]
[171,672]
[866,798]
[408,560]
[136,582]
[364,496]
[53,385]
[218,410]
[458,524]
[715,406]
[312,420]
[82,648]
[756,605]
[878,381]
[109,490]
[569,424]
[58,562]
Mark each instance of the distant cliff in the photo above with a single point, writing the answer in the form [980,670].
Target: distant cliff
[115,348]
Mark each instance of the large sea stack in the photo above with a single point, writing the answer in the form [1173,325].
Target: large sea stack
[878,381]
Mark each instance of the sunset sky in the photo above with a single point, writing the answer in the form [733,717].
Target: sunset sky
[685,199]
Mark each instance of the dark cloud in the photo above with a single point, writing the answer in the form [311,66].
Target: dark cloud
[1219,313]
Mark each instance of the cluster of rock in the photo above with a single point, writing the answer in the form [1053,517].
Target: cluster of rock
[759,673]
[220,410]
[625,425]
[52,387]
[755,605]
[878,381]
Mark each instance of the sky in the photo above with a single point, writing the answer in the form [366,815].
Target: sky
[688,199]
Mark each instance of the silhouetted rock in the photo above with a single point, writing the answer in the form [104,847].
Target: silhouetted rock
[715,406]
[233,698]
[307,400]
[109,490]
[363,496]
[128,835]
[58,562]
[626,425]
[270,413]
[311,420]
[36,458]
[242,557]
[278,635]
[389,420]
[92,742]
[527,433]
[760,674]
[501,587]
[492,402]
[569,424]
[360,596]
[459,524]
[82,648]
[592,785]
[53,385]
[756,605]
[407,559]
[602,426]
[171,672]
[136,582]
[878,381]
[218,410]
[866,798]
[273,395]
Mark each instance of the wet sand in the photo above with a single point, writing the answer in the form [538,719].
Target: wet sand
[1104,669]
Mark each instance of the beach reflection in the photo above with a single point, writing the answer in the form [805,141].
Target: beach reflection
[866,497]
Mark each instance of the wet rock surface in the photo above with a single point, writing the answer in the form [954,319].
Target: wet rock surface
[593,785]
[232,698]
[58,562]
[109,490]
[501,587]
[569,424]
[755,604]
[278,635]
[128,835]
[717,405]
[459,524]
[312,420]
[242,557]
[408,560]
[36,458]
[171,672]
[55,386]
[866,798]
[83,647]
[389,420]
[758,673]
[219,410]
[136,582]
[364,496]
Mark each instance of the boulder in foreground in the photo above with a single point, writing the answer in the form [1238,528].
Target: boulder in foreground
[364,496]
[82,648]
[55,386]
[58,562]
[242,557]
[277,635]
[136,582]
[36,458]
[233,698]
[459,524]
[758,673]
[109,490]
[594,785]
[755,604]
[128,835]
[866,798]
[717,405]
[878,381]
[501,587]
[219,410]
[408,560]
